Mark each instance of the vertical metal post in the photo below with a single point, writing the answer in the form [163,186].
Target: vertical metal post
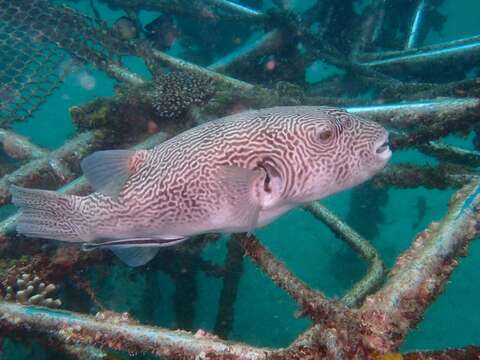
[412,40]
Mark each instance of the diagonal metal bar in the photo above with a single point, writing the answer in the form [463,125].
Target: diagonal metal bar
[268,43]
[84,352]
[445,152]
[122,73]
[52,167]
[19,147]
[463,51]
[376,269]
[236,10]
[177,64]
[311,302]
[420,274]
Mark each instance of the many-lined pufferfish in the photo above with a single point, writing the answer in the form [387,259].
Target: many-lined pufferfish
[228,175]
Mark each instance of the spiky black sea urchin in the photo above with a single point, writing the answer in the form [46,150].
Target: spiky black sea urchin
[176,92]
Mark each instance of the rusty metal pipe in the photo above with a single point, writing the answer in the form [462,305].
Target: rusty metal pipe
[376,268]
[73,328]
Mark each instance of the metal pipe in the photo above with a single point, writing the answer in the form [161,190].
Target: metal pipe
[466,50]
[193,8]
[123,74]
[67,327]
[233,268]
[268,43]
[376,269]
[19,147]
[445,152]
[178,64]
[380,21]
[235,10]
[420,274]
[410,114]
[412,40]
[370,28]
[39,170]
[408,176]
[312,302]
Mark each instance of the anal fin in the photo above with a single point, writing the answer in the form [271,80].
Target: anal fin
[135,251]
[135,256]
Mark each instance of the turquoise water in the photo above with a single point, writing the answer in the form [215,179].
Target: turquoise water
[264,314]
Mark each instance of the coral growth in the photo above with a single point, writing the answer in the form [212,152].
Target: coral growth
[137,109]
[173,94]
[31,290]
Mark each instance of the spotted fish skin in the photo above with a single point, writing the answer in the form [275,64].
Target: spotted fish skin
[228,175]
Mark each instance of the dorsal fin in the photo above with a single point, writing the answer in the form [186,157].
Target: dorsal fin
[108,170]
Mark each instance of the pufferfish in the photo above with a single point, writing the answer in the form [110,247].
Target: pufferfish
[229,175]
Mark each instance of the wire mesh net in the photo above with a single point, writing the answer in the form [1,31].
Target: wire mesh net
[33,38]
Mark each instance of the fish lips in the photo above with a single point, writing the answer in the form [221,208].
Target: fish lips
[382,149]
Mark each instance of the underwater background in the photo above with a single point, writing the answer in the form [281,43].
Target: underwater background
[263,313]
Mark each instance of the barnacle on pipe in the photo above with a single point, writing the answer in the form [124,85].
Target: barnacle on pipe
[31,290]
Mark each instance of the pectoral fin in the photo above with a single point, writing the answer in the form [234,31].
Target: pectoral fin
[241,185]
[108,170]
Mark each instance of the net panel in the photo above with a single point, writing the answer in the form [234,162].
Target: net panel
[35,37]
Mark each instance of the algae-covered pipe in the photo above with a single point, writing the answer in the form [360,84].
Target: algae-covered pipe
[268,43]
[450,153]
[19,147]
[464,51]
[312,302]
[67,327]
[177,64]
[411,176]
[193,8]
[376,269]
[123,74]
[414,113]
[420,274]
[373,20]
[40,170]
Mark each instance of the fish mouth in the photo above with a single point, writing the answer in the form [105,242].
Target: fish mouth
[382,148]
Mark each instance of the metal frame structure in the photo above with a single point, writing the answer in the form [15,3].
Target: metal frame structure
[374,317]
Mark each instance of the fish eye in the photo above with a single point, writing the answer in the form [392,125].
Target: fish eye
[325,134]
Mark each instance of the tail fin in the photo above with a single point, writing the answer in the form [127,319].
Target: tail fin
[49,215]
